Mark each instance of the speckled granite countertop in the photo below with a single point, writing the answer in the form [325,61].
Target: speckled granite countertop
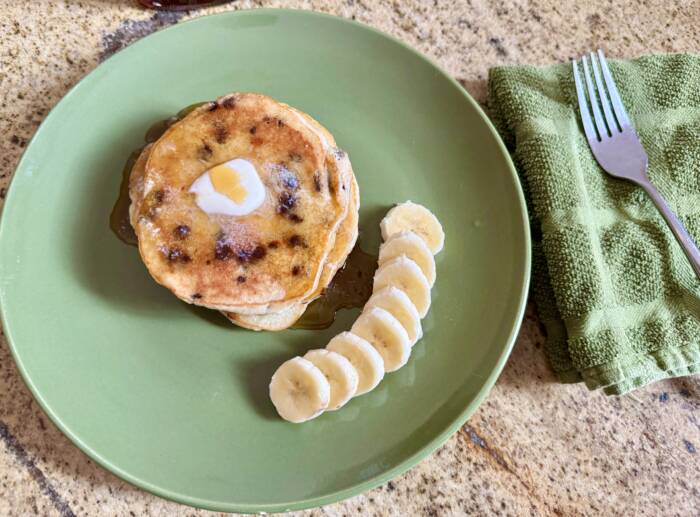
[534,446]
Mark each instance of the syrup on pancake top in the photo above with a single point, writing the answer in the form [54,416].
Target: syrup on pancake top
[237,206]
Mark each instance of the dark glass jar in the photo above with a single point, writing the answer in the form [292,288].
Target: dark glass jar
[179,5]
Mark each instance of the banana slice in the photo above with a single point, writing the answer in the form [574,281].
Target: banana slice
[363,356]
[405,274]
[399,305]
[416,218]
[386,334]
[341,375]
[411,245]
[299,390]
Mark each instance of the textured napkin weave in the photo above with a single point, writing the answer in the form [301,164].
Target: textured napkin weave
[620,303]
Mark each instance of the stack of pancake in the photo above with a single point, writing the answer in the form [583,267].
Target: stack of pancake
[262,266]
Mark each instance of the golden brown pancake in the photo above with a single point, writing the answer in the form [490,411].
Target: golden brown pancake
[275,321]
[266,261]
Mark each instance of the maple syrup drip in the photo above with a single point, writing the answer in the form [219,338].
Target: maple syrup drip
[119,218]
[350,288]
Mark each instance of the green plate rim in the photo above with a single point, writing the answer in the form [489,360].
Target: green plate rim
[358,488]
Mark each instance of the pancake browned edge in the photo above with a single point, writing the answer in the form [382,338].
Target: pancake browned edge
[271,260]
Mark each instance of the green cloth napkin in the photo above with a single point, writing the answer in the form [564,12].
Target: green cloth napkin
[619,301]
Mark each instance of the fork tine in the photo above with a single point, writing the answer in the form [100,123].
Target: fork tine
[617,105]
[604,100]
[583,106]
[599,122]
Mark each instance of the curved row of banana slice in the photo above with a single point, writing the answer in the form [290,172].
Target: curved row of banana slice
[381,338]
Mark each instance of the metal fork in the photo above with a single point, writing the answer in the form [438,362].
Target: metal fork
[615,143]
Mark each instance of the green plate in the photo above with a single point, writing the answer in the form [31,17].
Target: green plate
[174,399]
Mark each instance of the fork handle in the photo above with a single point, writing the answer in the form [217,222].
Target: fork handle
[682,236]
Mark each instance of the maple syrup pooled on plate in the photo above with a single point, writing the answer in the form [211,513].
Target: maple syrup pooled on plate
[119,218]
[350,288]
